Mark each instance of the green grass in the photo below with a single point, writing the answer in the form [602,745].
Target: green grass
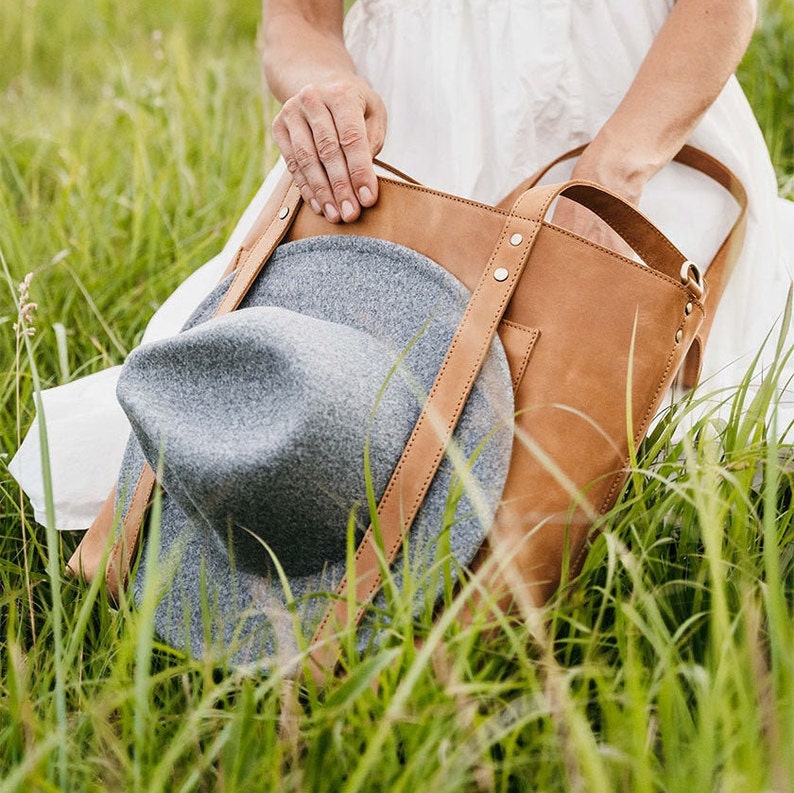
[130,140]
[767,75]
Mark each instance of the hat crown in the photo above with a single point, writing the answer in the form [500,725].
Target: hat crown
[280,462]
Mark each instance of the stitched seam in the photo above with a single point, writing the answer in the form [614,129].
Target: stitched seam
[457,199]
[640,433]
[121,540]
[231,295]
[643,268]
[519,326]
[530,345]
[527,355]
[621,475]
[469,380]
[504,213]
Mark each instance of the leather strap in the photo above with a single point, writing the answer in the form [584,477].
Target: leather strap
[721,266]
[251,262]
[426,446]
[125,547]
[90,553]
[395,171]
[724,261]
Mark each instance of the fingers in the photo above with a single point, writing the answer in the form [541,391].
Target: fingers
[328,135]
[295,137]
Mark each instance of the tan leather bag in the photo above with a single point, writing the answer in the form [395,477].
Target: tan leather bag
[594,340]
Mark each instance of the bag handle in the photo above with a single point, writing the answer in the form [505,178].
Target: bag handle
[690,156]
[719,270]
[395,171]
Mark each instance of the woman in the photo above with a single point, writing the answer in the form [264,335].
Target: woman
[471,96]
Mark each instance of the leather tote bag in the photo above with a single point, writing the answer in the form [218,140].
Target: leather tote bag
[593,339]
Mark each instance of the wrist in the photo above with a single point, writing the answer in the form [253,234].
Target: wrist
[622,163]
[616,170]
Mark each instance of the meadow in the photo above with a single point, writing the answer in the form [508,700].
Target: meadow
[131,137]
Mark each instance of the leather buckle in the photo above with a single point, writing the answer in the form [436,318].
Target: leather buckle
[692,276]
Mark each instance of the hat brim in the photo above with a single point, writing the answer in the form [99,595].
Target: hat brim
[208,606]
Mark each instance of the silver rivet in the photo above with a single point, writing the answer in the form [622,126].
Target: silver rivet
[688,308]
[283,212]
[679,334]
[516,239]
[501,273]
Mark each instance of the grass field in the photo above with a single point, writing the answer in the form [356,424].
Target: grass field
[131,137]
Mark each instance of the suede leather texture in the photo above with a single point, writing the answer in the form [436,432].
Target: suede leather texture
[259,421]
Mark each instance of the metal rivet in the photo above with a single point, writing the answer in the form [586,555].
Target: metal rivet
[688,308]
[501,273]
[679,334]
[283,212]
[516,239]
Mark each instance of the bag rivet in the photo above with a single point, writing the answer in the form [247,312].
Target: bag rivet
[679,334]
[501,273]
[688,308]
[516,239]
[283,212]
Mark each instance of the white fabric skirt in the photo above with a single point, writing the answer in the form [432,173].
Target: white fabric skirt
[480,93]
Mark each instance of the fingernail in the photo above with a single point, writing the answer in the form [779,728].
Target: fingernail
[331,213]
[348,213]
[315,207]
[365,194]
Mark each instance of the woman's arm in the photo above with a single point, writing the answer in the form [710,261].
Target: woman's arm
[332,123]
[696,51]
[693,55]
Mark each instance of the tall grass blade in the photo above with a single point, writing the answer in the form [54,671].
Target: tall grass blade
[53,542]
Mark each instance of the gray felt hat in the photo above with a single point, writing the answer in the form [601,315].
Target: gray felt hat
[265,423]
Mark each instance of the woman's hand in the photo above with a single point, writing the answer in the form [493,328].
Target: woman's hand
[328,133]
[332,122]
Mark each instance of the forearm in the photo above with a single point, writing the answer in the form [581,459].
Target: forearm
[302,45]
[692,57]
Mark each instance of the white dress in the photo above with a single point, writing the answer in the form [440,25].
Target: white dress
[479,94]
